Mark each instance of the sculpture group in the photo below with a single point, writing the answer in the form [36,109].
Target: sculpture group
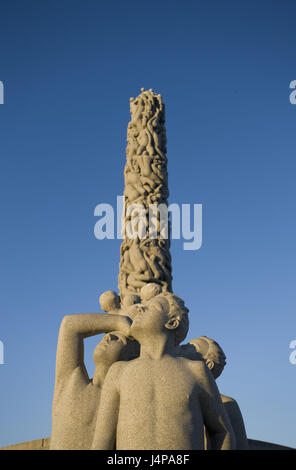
[143,259]
[148,391]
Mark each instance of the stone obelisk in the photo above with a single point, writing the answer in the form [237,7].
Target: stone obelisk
[145,258]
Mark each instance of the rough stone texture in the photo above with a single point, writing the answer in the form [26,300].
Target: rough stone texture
[37,444]
[215,359]
[76,396]
[43,444]
[145,259]
[161,400]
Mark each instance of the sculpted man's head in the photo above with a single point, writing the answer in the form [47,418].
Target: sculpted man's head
[164,313]
[212,354]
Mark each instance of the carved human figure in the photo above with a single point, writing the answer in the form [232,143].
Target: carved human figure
[130,299]
[157,256]
[149,291]
[153,180]
[134,269]
[132,142]
[125,266]
[76,396]
[134,190]
[110,302]
[215,359]
[146,184]
[149,179]
[161,400]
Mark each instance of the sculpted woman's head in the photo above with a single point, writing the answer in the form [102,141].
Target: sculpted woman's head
[110,349]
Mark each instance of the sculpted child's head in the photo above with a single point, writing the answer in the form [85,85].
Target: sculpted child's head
[164,312]
[212,354]
[149,291]
[109,300]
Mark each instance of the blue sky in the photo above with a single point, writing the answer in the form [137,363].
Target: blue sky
[224,69]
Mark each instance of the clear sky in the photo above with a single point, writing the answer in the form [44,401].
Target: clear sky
[224,69]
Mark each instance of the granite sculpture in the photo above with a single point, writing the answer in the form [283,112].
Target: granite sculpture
[161,400]
[215,359]
[76,396]
[148,392]
[144,259]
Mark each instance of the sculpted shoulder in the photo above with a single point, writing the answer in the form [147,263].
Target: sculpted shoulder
[198,368]
[194,364]
[117,368]
[120,371]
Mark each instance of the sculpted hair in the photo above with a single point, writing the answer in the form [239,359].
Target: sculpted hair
[178,310]
[210,350]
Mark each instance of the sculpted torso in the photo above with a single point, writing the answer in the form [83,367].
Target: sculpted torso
[169,391]
[160,400]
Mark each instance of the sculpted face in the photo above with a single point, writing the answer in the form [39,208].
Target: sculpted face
[151,317]
[110,349]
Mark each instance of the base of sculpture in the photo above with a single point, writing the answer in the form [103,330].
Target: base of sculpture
[43,444]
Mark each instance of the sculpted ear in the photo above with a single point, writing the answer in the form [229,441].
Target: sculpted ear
[210,364]
[173,323]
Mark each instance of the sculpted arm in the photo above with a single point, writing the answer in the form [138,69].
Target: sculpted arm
[105,431]
[215,418]
[73,329]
